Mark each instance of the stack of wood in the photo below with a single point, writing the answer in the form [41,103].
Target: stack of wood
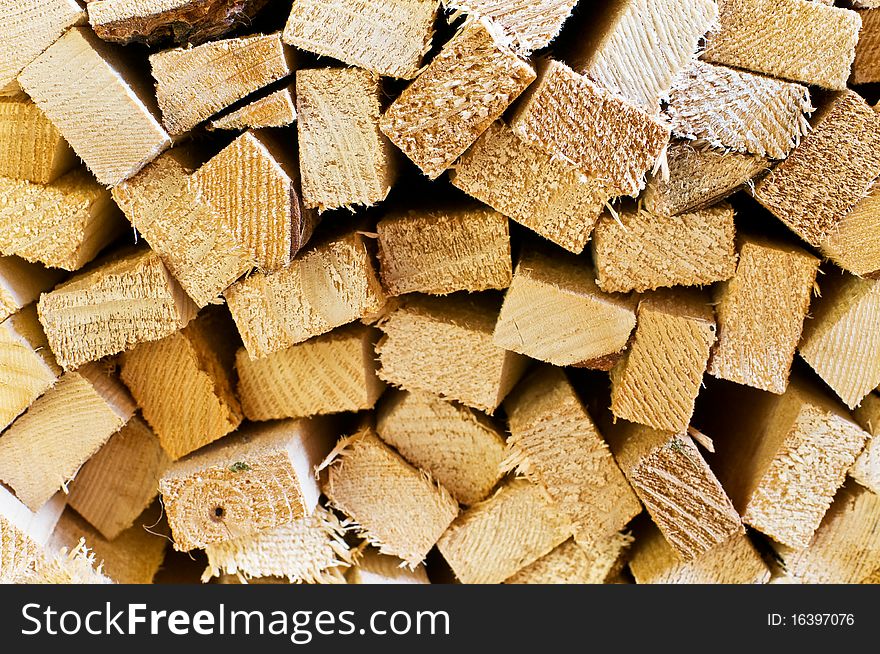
[326,290]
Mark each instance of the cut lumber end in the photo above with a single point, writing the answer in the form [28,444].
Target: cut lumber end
[443,251]
[274,110]
[444,346]
[259,479]
[571,563]
[397,508]
[457,446]
[554,312]
[466,87]
[21,283]
[639,251]
[106,116]
[128,299]
[543,193]
[866,469]
[760,314]
[34,148]
[854,244]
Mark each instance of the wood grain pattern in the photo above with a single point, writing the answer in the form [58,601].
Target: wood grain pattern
[107,116]
[375,568]
[327,374]
[530,25]
[570,563]
[33,147]
[555,444]
[442,251]
[639,251]
[27,365]
[797,40]
[329,285]
[261,478]
[841,339]
[554,312]
[21,283]
[128,299]
[657,381]
[191,236]
[568,116]
[120,480]
[464,89]
[387,37]
[495,539]
[45,447]
[854,243]
[193,84]
[254,184]
[277,109]
[444,346]
[397,508]
[740,111]
[866,469]
[829,173]
[459,447]
[184,385]
[647,43]
[679,490]
[543,193]
[760,313]
[62,225]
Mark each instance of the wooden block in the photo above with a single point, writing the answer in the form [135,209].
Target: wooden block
[34,149]
[644,46]
[699,177]
[570,117]
[23,533]
[156,21]
[680,491]
[376,568]
[28,366]
[254,184]
[74,217]
[735,561]
[791,39]
[329,285]
[29,28]
[829,173]
[259,479]
[639,251]
[184,385]
[760,314]
[127,299]
[457,446]
[866,469]
[121,480]
[344,159]
[495,539]
[274,110]
[388,37]
[846,547]
[189,233]
[739,111]
[107,115]
[397,508]
[657,381]
[21,283]
[43,449]
[466,87]
[570,563]
[531,187]
[529,25]
[554,312]
[866,66]
[781,458]
[193,84]
[328,374]
[132,557]
[445,347]
[854,244]
[310,550]
[440,251]
[555,444]
[841,339]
